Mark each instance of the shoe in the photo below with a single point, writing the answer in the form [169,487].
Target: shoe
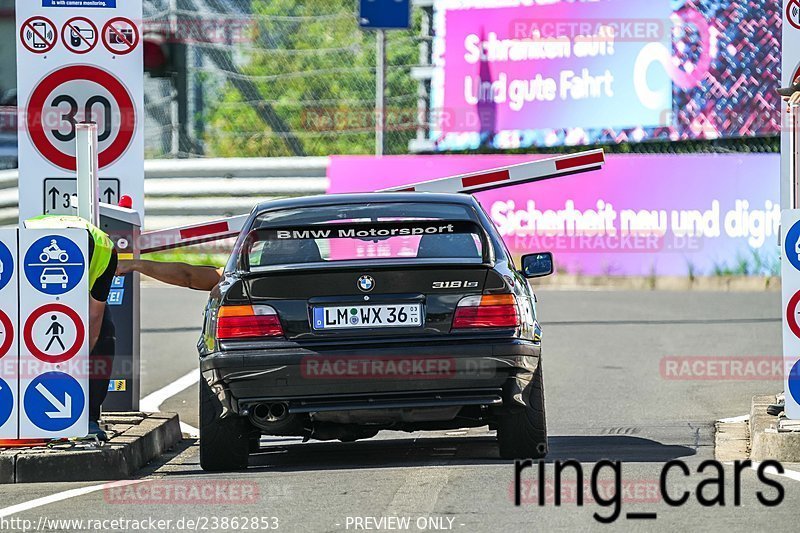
[96,432]
[775,409]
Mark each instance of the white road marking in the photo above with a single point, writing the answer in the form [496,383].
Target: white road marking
[66,495]
[419,492]
[791,474]
[152,402]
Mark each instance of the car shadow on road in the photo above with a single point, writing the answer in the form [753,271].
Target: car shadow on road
[285,456]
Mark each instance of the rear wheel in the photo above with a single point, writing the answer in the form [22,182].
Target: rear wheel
[224,442]
[522,433]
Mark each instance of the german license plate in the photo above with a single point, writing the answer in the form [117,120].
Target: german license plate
[368,316]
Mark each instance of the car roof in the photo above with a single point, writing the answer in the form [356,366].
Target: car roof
[371,197]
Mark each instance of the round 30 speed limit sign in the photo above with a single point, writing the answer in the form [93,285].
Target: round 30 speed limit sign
[75,94]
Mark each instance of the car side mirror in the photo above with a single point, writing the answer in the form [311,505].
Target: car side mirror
[537,265]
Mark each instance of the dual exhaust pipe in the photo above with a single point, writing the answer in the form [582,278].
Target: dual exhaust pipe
[265,414]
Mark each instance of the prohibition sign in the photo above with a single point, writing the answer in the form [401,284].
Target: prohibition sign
[793,13]
[791,314]
[51,82]
[8,328]
[115,33]
[35,38]
[69,353]
[79,35]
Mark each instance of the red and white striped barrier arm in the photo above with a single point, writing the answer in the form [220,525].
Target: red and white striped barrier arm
[543,169]
[540,170]
[215,230]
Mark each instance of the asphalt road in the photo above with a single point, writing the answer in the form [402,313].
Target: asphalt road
[610,395]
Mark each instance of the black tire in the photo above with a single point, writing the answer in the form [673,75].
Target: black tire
[224,442]
[522,433]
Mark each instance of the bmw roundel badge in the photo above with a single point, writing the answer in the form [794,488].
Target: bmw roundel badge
[366,283]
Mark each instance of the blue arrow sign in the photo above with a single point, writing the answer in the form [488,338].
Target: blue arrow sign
[6,402]
[54,401]
[6,266]
[54,265]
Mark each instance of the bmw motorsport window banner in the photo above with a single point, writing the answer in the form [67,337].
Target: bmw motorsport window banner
[367,230]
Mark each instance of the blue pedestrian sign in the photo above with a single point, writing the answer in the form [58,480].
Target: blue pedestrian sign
[6,402]
[54,265]
[6,266]
[385,14]
[54,401]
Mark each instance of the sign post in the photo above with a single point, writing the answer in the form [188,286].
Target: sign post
[382,15]
[9,353]
[54,337]
[790,279]
[790,219]
[88,193]
[80,62]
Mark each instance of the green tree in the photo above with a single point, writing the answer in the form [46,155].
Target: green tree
[316,68]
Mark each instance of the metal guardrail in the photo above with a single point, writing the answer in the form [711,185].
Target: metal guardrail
[180,191]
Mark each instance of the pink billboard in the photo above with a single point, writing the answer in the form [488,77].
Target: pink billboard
[641,215]
[517,73]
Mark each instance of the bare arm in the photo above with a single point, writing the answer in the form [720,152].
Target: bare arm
[203,278]
[96,310]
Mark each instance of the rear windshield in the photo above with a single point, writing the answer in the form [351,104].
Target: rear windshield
[395,231]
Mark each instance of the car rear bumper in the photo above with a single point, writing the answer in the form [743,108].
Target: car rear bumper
[421,375]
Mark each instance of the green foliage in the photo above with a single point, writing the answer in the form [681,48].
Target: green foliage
[189,257]
[316,68]
[756,264]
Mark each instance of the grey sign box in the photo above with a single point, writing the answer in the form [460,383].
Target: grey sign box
[58,193]
[123,226]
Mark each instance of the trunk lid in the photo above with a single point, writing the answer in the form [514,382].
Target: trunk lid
[301,296]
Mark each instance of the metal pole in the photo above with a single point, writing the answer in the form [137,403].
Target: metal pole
[174,104]
[86,166]
[794,159]
[380,77]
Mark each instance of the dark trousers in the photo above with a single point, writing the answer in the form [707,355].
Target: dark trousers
[101,363]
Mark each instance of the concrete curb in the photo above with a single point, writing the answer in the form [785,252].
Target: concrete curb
[141,439]
[765,440]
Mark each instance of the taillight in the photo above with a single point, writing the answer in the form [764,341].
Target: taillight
[487,311]
[247,322]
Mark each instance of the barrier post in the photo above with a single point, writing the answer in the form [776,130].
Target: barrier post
[794,158]
[87,167]
[123,226]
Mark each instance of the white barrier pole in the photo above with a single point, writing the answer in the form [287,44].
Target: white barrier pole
[87,165]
